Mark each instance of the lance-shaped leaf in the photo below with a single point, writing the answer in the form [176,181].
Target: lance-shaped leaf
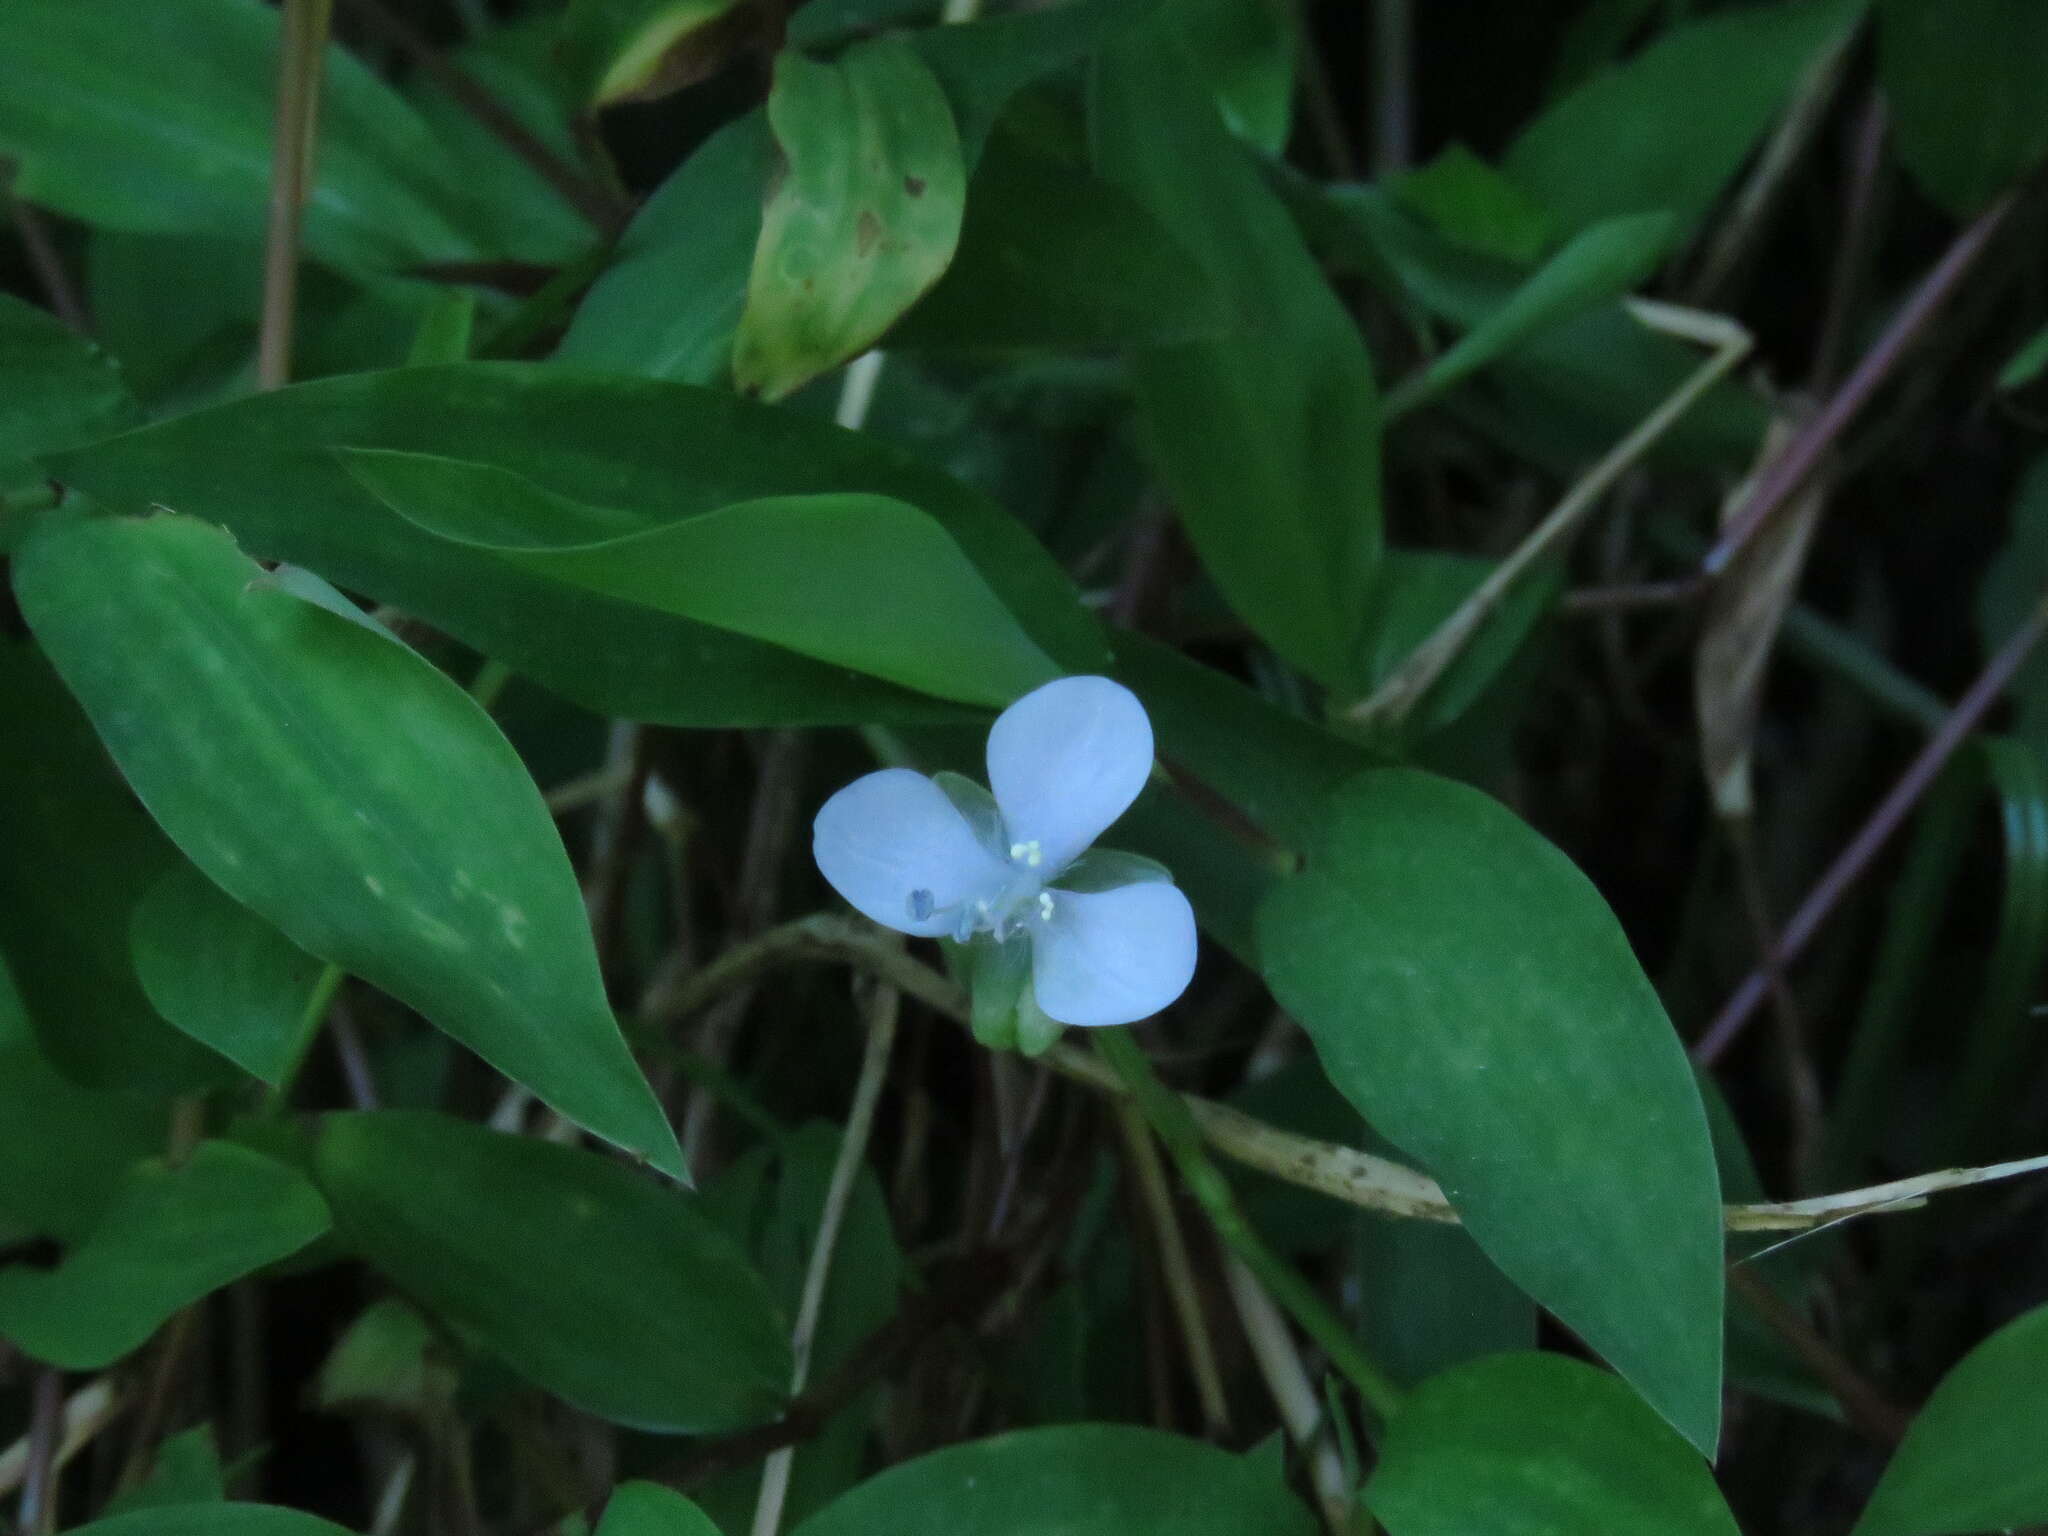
[159,117]
[1268,441]
[864,219]
[1473,997]
[1076,1479]
[61,389]
[1599,264]
[1530,1445]
[620,1296]
[867,582]
[1616,145]
[66,1149]
[265,468]
[1972,1460]
[223,975]
[637,50]
[80,854]
[1963,81]
[170,1236]
[327,777]
[212,1519]
[648,1509]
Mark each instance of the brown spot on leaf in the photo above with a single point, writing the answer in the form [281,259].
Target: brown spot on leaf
[867,232]
[914,185]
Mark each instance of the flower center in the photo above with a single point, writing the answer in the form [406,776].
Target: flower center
[1021,902]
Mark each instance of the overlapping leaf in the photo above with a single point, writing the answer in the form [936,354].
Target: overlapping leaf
[328,778]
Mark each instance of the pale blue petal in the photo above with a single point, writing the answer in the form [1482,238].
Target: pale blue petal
[1113,957]
[1065,761]
[887,837]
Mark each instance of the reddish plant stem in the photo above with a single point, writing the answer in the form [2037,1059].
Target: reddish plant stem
[1776,486]
[1871,837]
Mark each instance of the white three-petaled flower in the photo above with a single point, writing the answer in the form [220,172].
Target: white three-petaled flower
[1112,940]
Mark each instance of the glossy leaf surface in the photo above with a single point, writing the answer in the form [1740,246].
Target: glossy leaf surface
[1077,1479]
[1268,442]
[606,1288]
[170,1236]
[661,452]
[1972,1460]
[866,582]
[1612,147]
[325,776]
[1471,994]
[222,974]
[1538,1445]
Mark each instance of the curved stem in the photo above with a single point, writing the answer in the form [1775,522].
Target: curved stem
[1343,1173]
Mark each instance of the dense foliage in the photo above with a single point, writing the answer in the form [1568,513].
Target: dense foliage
[512,511]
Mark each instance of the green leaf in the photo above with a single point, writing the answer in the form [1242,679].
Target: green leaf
[170,1236]
[223,975]
[1566,393]
[1245,50]
[863,219]
[1268,442]
[1273,766]
[1536,1445]
[860,581]
[327,777]
[1473,997]
[668,306]
[389,1361]
[982,64]
[2025,365]
[663,452]
[518,212]
[61,389]
[1419,589]
[1467,201]
[160,118]
[80,855]
[66,1149]
[1054,257]
[212,1519]
[188,350]
[1963,81]
[1599,265]
[1076,1479]
[2006,597]
[1622,143]
[187,1471]
[614,1293]
[630,50]
[648,1509]
[1972,1460]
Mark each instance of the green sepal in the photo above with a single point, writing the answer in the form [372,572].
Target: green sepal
[1108,869]
[1036,1032]
[997,988]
